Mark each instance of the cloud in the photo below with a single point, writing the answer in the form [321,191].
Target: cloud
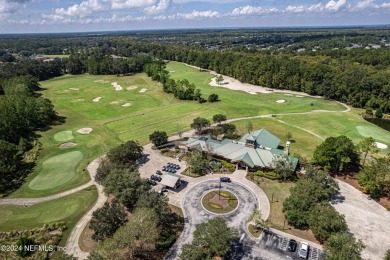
[335,5]
[198,15]
[252,10]
[160,7]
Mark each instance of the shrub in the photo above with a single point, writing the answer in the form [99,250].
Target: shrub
[164,150]
[216,206]
[268,175]
[224,194]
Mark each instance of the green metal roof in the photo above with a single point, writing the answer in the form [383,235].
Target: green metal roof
[244,158]
[262,137]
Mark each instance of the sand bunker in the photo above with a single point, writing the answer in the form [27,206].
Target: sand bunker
[101,81]
[381,145]
[84,131]
[131,87]
[280,101]
[114,102]
[299,96]
[126,105]
[116,86]
[74,88]
[143,90]
[67,145]
[96,99]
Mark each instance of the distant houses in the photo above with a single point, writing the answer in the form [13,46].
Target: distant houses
[257,150]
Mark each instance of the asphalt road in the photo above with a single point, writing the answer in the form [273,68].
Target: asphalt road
[270,246]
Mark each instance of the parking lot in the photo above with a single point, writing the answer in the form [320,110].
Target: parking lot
[278,244]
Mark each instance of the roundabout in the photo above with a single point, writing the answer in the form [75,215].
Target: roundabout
[195,213]
[219,202]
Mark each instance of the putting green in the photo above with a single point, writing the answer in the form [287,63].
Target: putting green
[375,132]
[64,136]
[56,171]
[68,209]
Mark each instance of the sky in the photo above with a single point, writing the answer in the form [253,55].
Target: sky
[48,16]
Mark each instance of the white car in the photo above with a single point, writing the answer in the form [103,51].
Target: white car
[303,250]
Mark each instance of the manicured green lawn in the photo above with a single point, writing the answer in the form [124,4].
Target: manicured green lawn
[217,206]
[303,143]
[334,124]
[68,209]
[64,136]
[58,170]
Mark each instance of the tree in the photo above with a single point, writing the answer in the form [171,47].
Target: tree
[211,239]
[379,113]
[199,162]
[23,243]
[219,118]
[256,218]
[336,154]
[365,146]
[106,220]
[375,177]
[325,221]
[199,124]
[288,136]
[283,167]
[249,127]
[158,138]
[136,240]
[125,154]
[212,98]
[125,185]
[387,256]
[342,246]
[369,111]
[179,131]
[219,79]
[311,189]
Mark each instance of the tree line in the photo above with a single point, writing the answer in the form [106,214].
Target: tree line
[22,112]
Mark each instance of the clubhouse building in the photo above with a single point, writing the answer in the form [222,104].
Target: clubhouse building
[257,150]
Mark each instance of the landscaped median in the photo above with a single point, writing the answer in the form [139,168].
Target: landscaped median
[220,201]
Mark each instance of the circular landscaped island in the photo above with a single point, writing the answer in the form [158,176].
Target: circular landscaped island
[219,201]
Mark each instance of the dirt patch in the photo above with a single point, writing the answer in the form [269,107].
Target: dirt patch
[126,105]
[96,99]
[143,90]
[84,131]
[280,101]
[116,86]
[220,200]
[131,87]
[86,242]
[67,145]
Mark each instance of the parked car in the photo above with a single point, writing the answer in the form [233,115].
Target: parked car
[292,245]
[152,182]
[303,250]
[225,179]
[159,172]
[164,168]
[157,178]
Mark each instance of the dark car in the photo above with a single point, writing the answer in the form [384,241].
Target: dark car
[152,182]
[173,171]
[292,245]
[159,172]
[164,168]
[225,179]
[154,177]
[157,178]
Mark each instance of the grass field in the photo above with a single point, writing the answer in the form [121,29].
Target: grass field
[64,136]
[73,95]
[58,169]
[302,142]
[67,209]
[334,124]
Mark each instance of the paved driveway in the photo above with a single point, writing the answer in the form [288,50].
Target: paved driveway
[366,219]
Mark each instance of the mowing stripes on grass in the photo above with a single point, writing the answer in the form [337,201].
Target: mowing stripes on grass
[56,171]
[64,136]
[68,209]
[377,133]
